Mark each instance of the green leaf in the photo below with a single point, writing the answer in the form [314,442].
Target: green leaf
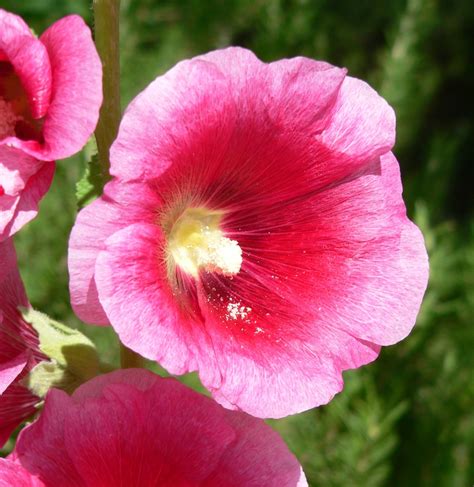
[91,185]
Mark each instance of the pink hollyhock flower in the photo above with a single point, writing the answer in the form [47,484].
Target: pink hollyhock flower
[50,95]
[50,88]
[134,428]
[19,347]
[255,231]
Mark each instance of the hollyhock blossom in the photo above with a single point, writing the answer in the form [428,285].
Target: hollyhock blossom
[19,347]
[50,94]
[134,428]
[255,231]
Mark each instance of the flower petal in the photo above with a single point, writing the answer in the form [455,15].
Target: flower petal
[17,404]
[118,207]
[16,168]
[130,428]
[257,374]
[186,435]
[297,94]
[215,86]
[16,336]
[130,269]
[258,457]
[11,286]
[168,107]
[13,25]
[44,439]
[391,280]
[77,93]
[8,205]
[12,474]
[27,207]
[363,123]
[378,268]
[29,59]
[10,370]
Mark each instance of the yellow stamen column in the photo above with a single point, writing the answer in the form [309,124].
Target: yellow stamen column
[197,242]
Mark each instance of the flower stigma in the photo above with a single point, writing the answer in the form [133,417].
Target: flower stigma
[197,242]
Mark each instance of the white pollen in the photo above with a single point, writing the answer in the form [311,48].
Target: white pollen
[8,119]
[220,253]
[235,311]
[197,243]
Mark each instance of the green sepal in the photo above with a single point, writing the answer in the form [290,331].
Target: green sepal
[50,374]
[67,348]
[91,185]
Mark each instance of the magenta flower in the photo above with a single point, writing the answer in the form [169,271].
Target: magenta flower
[50,94]
[134,428]
[19,347]
[255,231]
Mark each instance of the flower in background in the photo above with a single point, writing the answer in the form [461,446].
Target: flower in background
[50,88]
[19,347]
[134,428]
[255,231]
[50,94]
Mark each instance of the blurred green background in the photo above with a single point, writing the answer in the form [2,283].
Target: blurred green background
[407,419]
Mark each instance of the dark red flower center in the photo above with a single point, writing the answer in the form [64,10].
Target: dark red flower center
[15,114]
[264,191]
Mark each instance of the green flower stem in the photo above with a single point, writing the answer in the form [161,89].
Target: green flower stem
[107,40]
[129,359]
